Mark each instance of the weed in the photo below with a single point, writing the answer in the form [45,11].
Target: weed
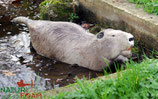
[138,81]
[73,17]
[150,6]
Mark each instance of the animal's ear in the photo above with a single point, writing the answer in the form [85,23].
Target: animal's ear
[100,35]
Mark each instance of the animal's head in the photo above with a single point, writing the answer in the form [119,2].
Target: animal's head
[115,42]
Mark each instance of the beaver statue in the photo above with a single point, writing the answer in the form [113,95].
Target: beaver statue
[70,43]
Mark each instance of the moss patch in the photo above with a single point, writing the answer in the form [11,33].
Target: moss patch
[57,10]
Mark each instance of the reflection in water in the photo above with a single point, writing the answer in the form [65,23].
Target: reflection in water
[12,49]
[27,8]
[18,62]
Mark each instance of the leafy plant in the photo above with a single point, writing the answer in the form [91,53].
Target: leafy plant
[150,6]
[138,81]
[73,17]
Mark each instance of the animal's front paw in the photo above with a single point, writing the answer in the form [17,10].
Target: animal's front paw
[126,54]
[122,58]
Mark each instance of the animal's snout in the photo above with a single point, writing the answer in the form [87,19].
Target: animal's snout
[131,41]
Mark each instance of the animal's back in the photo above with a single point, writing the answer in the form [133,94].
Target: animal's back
[57,39]
[67,42]
[66,29]
[61,30]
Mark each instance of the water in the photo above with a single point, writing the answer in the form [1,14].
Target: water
[18,60]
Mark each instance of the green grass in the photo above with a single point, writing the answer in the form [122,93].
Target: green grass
[150,6]
[138,81]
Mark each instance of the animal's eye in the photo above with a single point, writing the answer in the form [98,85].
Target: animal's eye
[100,35]
[113,35]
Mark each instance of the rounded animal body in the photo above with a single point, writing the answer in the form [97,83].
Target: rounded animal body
[70,43]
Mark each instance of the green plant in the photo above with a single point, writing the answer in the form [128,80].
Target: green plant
[58,10]
[150,6]
[73,17]
[138,81]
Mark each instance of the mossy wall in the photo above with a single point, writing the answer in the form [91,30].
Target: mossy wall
[57,10]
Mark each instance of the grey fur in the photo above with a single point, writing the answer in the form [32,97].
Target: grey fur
[70,43]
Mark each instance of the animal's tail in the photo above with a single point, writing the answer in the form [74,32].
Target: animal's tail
[22,19]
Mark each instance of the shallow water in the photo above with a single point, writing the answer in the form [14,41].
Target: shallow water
[18,61]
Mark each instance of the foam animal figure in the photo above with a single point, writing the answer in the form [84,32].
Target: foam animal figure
[70,43]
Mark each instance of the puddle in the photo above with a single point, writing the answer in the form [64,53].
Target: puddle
[18,61]
[9,11]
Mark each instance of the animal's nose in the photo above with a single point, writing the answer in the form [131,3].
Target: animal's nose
[131,39]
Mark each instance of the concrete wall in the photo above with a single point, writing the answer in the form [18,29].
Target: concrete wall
[119,14]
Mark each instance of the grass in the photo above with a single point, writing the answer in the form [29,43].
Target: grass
[139,81]
[150,6]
